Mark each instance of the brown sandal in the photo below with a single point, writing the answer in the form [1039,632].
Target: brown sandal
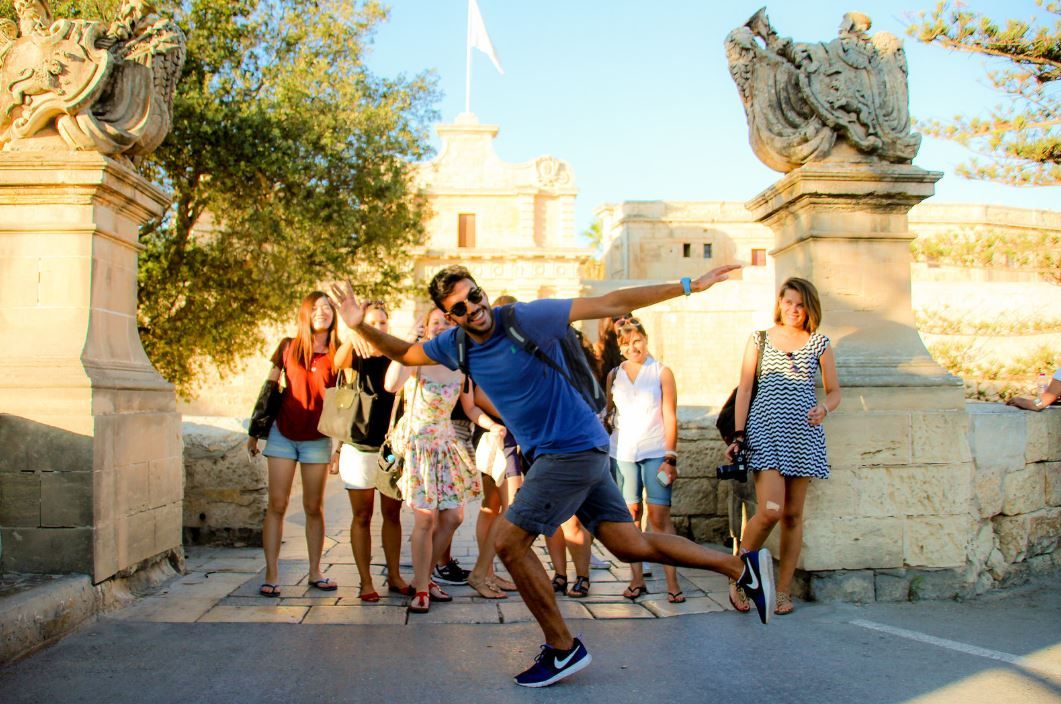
[738,599]
[783,604]
[485,588]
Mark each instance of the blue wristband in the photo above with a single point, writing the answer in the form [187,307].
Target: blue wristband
[687,287]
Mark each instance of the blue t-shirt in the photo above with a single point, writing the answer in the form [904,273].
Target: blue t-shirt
[546,414]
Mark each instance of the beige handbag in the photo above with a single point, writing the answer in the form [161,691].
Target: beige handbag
[347,409]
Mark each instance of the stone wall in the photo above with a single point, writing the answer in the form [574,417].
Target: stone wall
[1000,530]
[225,490]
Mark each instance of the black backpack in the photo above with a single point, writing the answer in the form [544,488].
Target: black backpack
[581,375]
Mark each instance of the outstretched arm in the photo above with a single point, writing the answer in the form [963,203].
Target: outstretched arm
[627,299]
[1045,400]
[352,312]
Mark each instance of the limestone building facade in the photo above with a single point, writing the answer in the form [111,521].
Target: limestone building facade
[511,224]
[702,337]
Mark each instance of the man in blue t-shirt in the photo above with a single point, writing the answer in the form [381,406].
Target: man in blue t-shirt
[570,471]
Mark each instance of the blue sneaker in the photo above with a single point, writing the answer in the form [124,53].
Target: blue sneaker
[758,581]
[553,665]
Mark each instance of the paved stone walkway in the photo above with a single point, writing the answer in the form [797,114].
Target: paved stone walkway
[221,584]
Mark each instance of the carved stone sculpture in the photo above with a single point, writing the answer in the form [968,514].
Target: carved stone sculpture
[86,85]
[843,100]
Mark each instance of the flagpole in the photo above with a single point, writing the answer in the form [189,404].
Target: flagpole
[468,78]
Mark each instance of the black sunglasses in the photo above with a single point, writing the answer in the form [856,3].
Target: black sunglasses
[460,309]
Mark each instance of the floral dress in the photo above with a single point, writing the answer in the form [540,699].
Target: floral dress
[439,473]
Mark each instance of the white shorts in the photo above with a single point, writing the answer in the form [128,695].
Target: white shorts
[358,469]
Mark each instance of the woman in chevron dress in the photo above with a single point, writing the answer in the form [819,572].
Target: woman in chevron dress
[782,431]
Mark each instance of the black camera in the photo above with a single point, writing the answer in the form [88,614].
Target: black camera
[737,471]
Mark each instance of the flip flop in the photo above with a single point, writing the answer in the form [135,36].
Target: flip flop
[634,593]
[436,593]
[485,589]
[325,584]
[741,605]
[269,590]
[783,604]
[369,596]
[677,597]
[420,603]
[407,590]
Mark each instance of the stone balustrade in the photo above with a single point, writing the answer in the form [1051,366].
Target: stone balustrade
[937,537]
[894,541]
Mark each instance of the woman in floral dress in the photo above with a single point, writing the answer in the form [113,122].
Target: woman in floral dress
[439,475]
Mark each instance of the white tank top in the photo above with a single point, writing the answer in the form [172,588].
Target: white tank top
[638,433]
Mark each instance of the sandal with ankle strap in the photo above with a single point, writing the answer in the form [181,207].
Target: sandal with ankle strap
[560,583]
[580,588]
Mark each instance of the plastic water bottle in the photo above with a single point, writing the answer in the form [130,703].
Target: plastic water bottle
[1042,383]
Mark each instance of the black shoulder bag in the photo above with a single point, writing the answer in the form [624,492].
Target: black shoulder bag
[270,397]
[727,420]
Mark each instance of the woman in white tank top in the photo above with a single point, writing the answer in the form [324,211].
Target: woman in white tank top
[643,402]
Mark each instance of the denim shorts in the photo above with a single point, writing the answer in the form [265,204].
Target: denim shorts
[304,451]
[564,485]
[633,477]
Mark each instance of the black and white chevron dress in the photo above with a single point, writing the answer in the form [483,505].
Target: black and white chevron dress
[779,436]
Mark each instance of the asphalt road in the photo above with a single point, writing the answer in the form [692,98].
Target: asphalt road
[1003,647]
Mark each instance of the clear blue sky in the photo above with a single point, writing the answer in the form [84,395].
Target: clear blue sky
[637,96]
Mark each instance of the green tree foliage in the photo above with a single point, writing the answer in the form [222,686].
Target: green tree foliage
[288,164]
[1022,139]
[594,235]
[1036,250]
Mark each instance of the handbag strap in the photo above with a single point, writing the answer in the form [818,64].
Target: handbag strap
[358,381]
[283,364]
[397,401]
[762,350]
[761,334]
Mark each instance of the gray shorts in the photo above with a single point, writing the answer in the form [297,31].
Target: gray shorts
[573,484]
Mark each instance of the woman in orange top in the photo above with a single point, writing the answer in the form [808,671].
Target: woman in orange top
[307,361]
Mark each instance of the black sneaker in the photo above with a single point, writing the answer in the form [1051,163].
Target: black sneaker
[450,573]
[553,665]
[758,581]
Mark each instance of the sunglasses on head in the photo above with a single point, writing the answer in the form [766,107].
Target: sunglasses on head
[460,309]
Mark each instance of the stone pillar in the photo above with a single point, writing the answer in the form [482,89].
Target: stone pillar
[90,474]
[900,494]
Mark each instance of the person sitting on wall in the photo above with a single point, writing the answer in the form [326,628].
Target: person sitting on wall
[1047,397]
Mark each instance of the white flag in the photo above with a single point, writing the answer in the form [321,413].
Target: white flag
[477,36]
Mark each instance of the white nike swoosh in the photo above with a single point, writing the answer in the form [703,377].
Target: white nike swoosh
[561,664]
[753,583]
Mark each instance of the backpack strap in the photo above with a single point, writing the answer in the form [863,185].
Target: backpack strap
[512,329]
[461,339]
